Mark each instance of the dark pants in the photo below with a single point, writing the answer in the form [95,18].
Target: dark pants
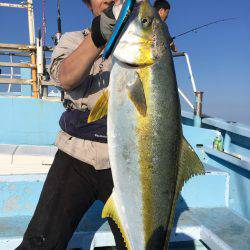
[71,187]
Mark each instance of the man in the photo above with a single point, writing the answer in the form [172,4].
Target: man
[163,8]
[80,173]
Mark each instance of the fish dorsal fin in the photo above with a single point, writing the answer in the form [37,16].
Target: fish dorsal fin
[110,211]
[189,165]
[101,107]
[137,95]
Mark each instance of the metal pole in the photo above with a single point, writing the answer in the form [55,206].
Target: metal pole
[190,72]
[198,109]
[31,23]
[40,65]
[34,75]
[45,91]
[14,54]
[12,5]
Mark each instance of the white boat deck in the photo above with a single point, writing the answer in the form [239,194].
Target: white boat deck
[25,159]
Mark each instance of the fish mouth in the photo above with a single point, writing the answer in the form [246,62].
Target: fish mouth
[134,65]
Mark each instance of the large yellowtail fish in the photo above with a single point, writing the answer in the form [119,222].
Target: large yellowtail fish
[149,157]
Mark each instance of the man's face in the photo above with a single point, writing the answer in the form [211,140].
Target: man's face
[163,14]
[98,6]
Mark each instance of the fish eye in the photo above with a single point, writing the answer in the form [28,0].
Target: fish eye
[146,21]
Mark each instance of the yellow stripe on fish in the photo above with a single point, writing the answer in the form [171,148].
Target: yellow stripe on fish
[144,132]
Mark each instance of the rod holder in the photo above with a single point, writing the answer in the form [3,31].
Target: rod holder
[198,108]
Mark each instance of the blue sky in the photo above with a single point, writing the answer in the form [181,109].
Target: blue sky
[219,54]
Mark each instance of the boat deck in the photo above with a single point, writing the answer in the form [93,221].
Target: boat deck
[201,224]
[202,213]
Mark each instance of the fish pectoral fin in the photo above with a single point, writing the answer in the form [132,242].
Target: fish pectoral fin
[110,210]
[101,107]
[189,165]
[137,95]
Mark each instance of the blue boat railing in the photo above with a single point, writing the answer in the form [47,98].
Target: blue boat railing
[16,71]
[24,77]
[191,76]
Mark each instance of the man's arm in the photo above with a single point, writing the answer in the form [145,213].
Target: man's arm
[170,40]
[72,58]
[77,65]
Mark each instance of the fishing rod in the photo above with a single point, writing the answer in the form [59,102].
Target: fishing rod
[58,34]
[203,26]
[59,22]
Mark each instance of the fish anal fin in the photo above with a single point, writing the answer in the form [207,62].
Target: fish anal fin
[100,109]
[110,211]
[137,95]
[189,165]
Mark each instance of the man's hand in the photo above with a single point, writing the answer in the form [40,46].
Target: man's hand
[172,47]
[102,27]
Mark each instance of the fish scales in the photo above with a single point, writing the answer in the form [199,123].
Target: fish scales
[154,156]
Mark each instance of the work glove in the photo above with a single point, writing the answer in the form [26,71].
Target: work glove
[102,27]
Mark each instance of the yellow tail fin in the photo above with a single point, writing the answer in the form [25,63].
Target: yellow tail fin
[110,211]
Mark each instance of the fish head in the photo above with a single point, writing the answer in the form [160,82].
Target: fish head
[143,40]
